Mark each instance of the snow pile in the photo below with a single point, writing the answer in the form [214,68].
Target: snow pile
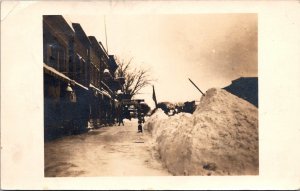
[155,123]
[219,138]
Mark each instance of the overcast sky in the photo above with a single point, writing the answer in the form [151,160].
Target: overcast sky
[211,49]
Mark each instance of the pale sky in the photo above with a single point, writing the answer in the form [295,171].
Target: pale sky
[211,49]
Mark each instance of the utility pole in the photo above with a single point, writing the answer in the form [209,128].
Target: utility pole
[105,34]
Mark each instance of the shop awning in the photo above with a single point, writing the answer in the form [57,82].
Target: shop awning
[106,87]
[53,72]
[105,93]
[93,87]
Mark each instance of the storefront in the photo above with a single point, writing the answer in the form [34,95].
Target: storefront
[65,104]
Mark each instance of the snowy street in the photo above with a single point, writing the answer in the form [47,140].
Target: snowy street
[219,138]
[107,151]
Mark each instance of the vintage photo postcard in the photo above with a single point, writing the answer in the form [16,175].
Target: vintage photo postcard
[150,95]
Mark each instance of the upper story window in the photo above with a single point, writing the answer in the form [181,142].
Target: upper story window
[56,57]
[80,68]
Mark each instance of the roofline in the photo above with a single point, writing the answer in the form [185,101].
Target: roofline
[77,28]
[106,53]
[95,44]
[61,18]
[242,77]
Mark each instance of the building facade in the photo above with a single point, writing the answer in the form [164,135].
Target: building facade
[79,81]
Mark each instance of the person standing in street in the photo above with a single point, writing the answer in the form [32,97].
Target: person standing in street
[120,115]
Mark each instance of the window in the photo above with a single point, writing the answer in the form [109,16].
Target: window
[62,60]
[83,70]
[56,57]
[91,74]
[80,69]
[51,56]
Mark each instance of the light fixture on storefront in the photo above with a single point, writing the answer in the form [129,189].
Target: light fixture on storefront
[69,88]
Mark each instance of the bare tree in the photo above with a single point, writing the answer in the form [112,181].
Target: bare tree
[135,78]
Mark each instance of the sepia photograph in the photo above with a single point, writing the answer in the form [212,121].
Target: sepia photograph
[150,95]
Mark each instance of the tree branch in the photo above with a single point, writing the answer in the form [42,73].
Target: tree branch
[135,79]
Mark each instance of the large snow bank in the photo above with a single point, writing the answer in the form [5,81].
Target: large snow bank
[219,138]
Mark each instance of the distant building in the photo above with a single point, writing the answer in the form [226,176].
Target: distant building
[245,88]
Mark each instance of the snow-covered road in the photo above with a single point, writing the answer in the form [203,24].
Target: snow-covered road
[108,151]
